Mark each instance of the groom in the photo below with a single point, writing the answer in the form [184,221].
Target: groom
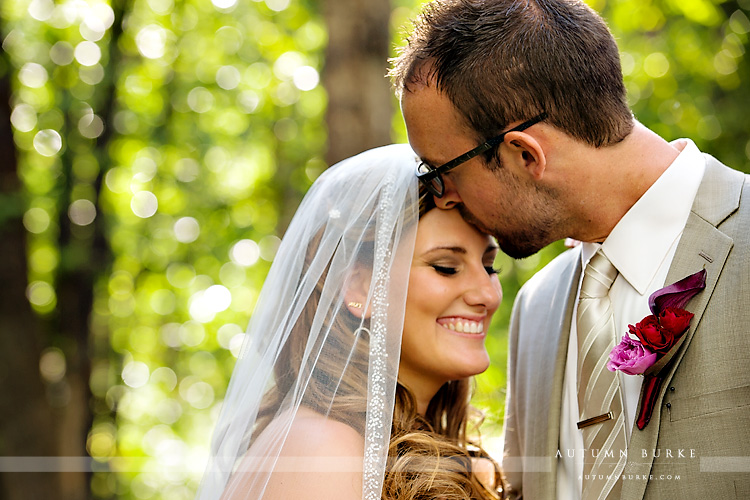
[540,82]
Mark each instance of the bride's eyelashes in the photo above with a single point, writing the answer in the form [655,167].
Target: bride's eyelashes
[450,271]
[444,270]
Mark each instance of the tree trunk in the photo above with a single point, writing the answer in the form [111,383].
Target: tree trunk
[359,94]
[85,256]
[26,422]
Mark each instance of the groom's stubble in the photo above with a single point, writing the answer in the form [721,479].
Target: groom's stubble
[523,221]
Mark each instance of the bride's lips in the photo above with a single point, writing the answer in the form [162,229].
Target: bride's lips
[472,326]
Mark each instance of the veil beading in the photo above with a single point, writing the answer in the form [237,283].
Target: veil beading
[304,346]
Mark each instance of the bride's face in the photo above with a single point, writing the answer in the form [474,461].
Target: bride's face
[453,293]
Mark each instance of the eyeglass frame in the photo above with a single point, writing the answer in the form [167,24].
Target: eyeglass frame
[427,174]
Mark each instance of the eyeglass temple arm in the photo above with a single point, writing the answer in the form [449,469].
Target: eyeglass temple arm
[493,142]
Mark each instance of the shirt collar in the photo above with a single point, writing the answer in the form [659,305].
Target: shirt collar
[642,239]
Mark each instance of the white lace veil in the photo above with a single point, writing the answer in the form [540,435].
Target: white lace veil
[305,350]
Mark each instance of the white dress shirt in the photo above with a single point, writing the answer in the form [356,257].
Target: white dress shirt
[641,246]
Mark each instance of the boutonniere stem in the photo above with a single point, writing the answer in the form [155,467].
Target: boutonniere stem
[649,392]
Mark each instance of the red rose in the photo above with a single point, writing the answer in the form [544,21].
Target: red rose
[675,320]
[652,336]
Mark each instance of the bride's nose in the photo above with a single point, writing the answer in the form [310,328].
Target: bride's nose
[485,291]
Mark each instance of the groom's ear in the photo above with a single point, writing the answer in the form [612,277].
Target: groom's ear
[356,290]
[526,154]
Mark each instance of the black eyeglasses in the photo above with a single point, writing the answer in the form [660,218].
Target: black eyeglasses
[432,177]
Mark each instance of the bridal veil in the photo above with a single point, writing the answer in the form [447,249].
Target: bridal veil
[306,349]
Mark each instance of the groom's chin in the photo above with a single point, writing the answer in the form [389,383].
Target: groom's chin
[519,246]
[515,251]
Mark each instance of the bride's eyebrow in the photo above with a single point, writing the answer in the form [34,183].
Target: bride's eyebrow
[453,249]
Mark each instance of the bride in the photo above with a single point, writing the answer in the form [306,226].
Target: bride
[354,380]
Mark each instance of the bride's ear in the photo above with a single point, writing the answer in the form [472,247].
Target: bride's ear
[356,290]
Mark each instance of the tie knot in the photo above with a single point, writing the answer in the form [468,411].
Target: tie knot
[598,277]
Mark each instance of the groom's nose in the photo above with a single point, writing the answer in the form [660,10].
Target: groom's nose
[450,196]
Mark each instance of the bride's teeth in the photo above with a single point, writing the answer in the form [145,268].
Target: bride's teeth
[465,326]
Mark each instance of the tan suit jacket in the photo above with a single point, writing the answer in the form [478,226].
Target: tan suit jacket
[703,407]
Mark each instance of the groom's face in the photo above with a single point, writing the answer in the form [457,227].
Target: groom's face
[495,199]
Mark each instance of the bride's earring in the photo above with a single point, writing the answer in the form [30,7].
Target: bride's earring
[356,305]
[359,331]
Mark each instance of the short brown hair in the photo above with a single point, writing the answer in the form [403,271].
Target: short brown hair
[501,61]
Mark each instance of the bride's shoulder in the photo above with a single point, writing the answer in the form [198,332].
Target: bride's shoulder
[313,433]
[319,458]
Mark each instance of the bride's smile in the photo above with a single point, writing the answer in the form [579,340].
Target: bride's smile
[463,325]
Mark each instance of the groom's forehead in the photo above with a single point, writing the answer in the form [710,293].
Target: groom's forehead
[436,129]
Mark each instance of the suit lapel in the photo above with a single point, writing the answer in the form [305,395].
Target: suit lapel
[701,246]
[546,440]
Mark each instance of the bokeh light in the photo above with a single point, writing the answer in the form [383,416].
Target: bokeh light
[61,53]
[187,229]
[90,126]
[144,204]
[82,212]
[224,5]
[200,100]
[269,245]
[277,5]
[135,374]
[23,118]
[87,53]
[245,253]
[656,65]
[152,41]
[305,78]
[33,75]
[228,77]
[41,295]
[41,10]
[36,220]
[48,142]
[52,365]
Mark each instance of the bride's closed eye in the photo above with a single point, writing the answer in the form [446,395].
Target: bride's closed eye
[445,270]
[450,271]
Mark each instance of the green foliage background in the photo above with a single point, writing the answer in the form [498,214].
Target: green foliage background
[188,132]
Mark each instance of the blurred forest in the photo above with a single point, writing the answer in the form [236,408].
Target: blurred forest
[153,152]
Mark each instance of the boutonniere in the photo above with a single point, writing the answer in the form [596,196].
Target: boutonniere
[649,341]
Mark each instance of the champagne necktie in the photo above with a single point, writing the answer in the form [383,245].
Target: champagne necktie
[599,395]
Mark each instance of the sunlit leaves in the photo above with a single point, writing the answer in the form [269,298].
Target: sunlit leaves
[685,69]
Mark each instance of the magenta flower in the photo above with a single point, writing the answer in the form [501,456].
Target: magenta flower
[630,357]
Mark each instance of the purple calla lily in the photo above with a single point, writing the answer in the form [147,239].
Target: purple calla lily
[677,294]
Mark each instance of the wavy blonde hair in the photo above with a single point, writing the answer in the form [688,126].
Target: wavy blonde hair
[429,456]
